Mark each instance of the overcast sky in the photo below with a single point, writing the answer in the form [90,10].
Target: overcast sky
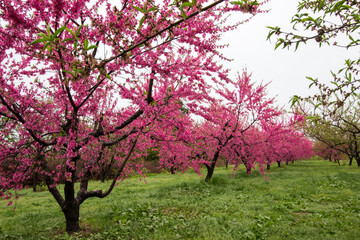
[285,69]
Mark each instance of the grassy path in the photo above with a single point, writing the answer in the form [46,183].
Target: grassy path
[306,200]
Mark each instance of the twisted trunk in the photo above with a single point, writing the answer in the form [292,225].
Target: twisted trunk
[210,171]
[210,168]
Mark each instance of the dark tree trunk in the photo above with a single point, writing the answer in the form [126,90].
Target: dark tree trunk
[35,182]
[210,171]
[358,161]
[210,168]
[172,170]
[287,162]
[350,161]
[102,179]
[279,163]
[268,167]
[106,170]
[248,168]
[71,212]
[71,207]
[226,163]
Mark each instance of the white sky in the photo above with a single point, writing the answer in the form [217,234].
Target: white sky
[285,69]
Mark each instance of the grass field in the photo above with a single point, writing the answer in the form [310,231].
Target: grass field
[305,200]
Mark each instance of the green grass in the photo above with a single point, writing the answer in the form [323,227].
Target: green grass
[305,200]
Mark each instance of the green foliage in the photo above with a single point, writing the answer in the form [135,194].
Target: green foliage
[153,155]
[306,200]
[324,21]
[145,12]
[243,2]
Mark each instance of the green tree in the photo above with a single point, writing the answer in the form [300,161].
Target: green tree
[336,127]
[324,21]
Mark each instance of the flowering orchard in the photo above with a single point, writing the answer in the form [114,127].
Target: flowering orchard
[85,86]
[67,67]
[245,128]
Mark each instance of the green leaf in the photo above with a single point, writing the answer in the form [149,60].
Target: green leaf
[335,83]
[337,6]
[312,79]
[69,30]
[78,31]
[38,41]
[67,39]
[92,47]
[278,44]
[86,43]
[294,100]
[50,48]
[236,2]
[311,84]
[321,4]
[141,22]
[269,35]
[184,16]
[59,31]
[46,45]
[137,8]
[152,9]
[186,4]
[43,35]
[69,72]
[108,76]
[48,29]
[183,13]
[317,105]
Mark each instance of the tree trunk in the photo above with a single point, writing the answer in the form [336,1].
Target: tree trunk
[268,167]
[71,207]
[358,160]
[279,163]
[226,163]
[106,170]
[350,161]
[172,170]
[248,169]
[71,212]
[35,181]
[210,171]
[211,168]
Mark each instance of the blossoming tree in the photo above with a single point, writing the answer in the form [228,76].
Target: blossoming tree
[243,109]
[78,78]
